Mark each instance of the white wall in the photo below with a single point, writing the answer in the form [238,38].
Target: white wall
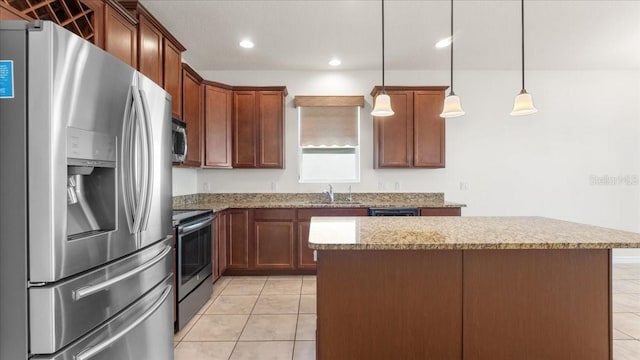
[588,124]
[185,181]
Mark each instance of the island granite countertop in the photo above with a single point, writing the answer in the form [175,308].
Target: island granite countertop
[450,233]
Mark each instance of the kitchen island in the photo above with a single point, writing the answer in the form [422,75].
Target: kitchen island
[463,288]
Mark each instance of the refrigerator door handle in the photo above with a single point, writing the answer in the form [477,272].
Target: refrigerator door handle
[90,290]
[128,162]
[148,186]
[142,171]
[90,352]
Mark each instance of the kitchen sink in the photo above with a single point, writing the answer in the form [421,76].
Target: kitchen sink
[338,202]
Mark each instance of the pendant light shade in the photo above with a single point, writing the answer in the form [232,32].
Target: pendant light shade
[523,104]
[452,107]
[382,106]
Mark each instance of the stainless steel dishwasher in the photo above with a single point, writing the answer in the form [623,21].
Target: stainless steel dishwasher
[394,211]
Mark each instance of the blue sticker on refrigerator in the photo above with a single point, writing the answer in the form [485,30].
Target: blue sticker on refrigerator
[6,79]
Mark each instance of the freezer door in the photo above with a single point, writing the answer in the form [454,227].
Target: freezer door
[78,99]
[143,331]
[65,311]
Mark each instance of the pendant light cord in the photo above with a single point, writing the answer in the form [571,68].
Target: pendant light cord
[451,92]
[383,47]
[522,40]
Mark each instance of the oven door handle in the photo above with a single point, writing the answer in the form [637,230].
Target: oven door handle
[90,290]
[93,351]
[189,228]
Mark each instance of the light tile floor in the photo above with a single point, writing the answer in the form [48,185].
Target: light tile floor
[273,317]
[257,317]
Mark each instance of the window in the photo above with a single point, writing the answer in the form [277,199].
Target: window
[329,138]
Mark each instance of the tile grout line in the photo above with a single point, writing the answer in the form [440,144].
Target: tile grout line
[246,322]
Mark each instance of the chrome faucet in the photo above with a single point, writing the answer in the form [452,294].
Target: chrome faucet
[329,192]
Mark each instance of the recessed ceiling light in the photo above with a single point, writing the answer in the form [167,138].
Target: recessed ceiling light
[246,43]
[335,62]
[444,42]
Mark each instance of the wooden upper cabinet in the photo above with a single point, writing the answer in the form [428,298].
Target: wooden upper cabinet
[428,129]
[192,91]
[258,128]
[244,129]
[217,125]
[121,34]
[415,135]
[173,76]
[270,129]
[150,50]
[159,53]
[394,134]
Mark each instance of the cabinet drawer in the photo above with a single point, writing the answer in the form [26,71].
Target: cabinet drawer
[274,214]
[306,214]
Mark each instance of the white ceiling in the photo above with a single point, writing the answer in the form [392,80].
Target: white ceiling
[306,34]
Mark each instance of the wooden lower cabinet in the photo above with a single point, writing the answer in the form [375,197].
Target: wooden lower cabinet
[238,234]
[275,244]
[275,239]
[221,229]
[464,304]
[453,211]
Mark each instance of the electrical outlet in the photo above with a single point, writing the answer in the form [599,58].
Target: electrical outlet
[464,186]
[206,186]
[397,185]
[381,185]
[274,186]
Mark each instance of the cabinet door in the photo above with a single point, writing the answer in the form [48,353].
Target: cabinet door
[222,242]
[275,244]
[120,36]
[270,129]
[150,50]
[429,127]
[393,135]
[192,116]
[238,245]
[173,77]
[244,129]
[217,127]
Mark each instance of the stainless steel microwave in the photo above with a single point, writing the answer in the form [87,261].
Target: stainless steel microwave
[179,140]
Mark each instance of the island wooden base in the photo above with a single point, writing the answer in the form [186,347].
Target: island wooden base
[464,304]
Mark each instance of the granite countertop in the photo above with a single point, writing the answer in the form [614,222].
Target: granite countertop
[220,202]
[415,233]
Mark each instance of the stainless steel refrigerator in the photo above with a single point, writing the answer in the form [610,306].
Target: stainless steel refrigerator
[85,202]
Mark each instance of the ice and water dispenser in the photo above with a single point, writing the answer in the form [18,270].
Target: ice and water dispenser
[91,183]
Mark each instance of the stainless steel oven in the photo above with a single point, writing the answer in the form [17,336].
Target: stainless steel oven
[194,231]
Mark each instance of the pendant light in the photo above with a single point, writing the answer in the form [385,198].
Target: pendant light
[382,105]
[523,104]
[452,107]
